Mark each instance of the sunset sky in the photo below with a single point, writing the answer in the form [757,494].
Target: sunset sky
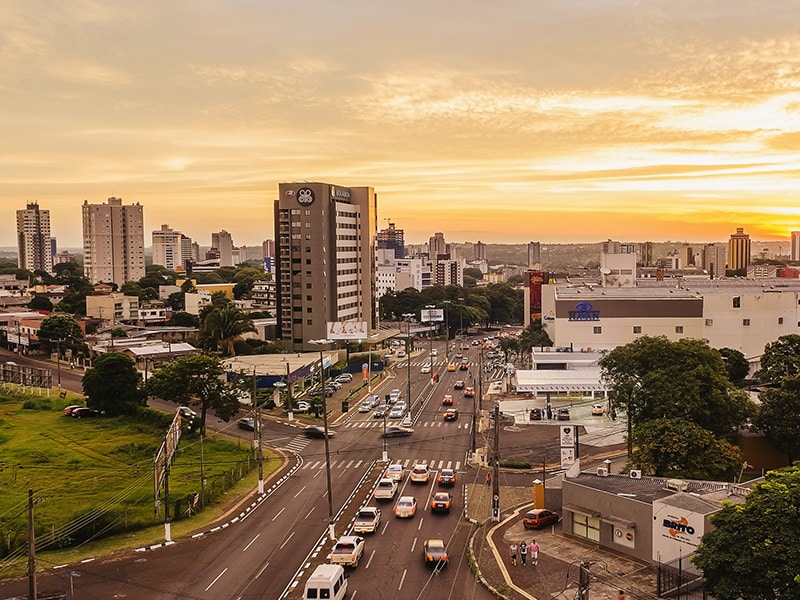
[504,121]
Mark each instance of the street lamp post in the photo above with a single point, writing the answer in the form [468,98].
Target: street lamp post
[331,532]
[407,318]
[446,326]
[58,360]
[461,316]
[430,340]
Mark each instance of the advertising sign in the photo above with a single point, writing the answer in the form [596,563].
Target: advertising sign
[347,330]
[535,281]
[429,315]
[567,457]
[676,531]
[567,436]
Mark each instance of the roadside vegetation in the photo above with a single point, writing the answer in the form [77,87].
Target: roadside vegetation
[92,478]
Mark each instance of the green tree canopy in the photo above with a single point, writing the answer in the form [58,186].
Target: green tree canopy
[779,416]
[781,359]
[59,328]
[655,378]
[196,380]
[736,363]
[222,326]
[753,553]
[679,448]
[40,302]
[113,385]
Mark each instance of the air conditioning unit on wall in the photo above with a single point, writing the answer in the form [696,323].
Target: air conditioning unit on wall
[636,474]
[602,471]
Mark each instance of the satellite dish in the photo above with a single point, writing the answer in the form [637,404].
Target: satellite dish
[605,270]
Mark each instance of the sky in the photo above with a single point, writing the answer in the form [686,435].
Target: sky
[559,121]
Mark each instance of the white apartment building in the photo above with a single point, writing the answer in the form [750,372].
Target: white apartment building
[113,242]
[222,242]
[34,246]
[171,249]
[399,274]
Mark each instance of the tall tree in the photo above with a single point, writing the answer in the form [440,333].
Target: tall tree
[736,363]
[60,330]
[781,359]
[753,553]
[779,416]
[222,326]
[196,380]
[655,378]
[679,448]
[113,385]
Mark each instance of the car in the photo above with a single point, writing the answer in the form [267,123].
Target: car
[562,414]
[452,367]
[394,395]
[406,507]
[365,407]
[248,423]
[540,517]
[536,414]
[401,354]
[447,400]
[303,406]
[397,431]
[367,520]
[425,369]
[476,343]
[400,405]
[434,352]
[379,413]
[451,414]
[395,472]
[459,356]
[68,409]
[407,421]
[347,551]
[334,384]
[598,409]
[186,412]
[465,346]
[464,366]
[435,553]
[385,490]
[459,384]
[441,502]
[315,431]
[469,392]
[82,412]
[447,477]
[396,413]
[373,400]
[344,378]
[420,473]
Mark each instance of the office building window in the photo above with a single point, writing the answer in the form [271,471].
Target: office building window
[737,302]
[637,329]
[586,527]
[679,329]
[746,322]
[597,330]
[709,322]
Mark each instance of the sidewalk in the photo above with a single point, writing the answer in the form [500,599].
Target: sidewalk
[560,557]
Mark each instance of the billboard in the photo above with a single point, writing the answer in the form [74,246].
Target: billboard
[430,315]
[347,330]
[535,281]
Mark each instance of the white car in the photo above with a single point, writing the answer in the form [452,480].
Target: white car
[367,520]
[434,352]
[395,472]
[406,422]
[347,551]
[396,413]
[598,409]
[425,369]
[401,354]
[420,474]
[365,407]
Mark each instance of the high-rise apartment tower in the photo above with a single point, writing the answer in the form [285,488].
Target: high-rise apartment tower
[325,236]
[34,249]
[739,250]
[113,242]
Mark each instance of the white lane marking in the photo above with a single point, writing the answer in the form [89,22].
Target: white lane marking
[216,579]
[251,543]
[279,513]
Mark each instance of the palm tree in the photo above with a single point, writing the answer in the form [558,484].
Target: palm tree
[222,326]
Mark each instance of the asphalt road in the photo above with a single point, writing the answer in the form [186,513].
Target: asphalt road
[268,551]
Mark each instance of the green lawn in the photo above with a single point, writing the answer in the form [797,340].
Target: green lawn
[92,479]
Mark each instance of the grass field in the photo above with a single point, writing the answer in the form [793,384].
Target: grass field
[93,478]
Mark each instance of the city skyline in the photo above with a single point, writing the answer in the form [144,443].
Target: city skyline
[507,122]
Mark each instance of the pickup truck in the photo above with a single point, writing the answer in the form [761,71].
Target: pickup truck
[347,551]
[385,490]
[367,520]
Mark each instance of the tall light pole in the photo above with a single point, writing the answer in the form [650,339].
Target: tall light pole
[259,450]
[407,318]
[331,532]
[430,339]
[461,315]
[446,326]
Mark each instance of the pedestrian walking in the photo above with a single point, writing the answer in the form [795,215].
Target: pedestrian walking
[488,479]
[523,552]
[621,595]
[514,554]
[534,549]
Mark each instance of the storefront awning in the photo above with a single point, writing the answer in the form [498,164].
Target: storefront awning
[581,510]
[619,521]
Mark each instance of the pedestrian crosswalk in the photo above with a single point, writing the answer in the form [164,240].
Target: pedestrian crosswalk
[432,424]
[435,464]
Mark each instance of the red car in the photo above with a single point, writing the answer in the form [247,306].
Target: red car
[540,517]
[447,400]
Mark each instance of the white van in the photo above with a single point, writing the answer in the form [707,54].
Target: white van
[327,582]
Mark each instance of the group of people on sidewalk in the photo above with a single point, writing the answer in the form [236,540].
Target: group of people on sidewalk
[523,550]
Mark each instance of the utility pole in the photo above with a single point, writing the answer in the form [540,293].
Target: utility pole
[32,592]
[259,451]
[583,584]
[496,465]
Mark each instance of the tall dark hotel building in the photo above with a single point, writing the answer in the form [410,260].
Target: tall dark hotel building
[325,267]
